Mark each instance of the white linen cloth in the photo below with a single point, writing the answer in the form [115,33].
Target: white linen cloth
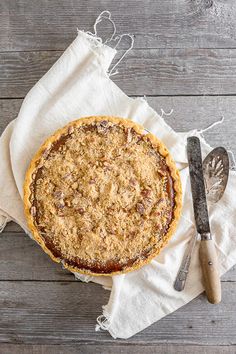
[78,85]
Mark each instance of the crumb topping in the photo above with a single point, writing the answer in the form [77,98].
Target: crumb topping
[102,196]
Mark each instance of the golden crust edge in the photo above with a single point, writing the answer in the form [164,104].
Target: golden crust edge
[139,129]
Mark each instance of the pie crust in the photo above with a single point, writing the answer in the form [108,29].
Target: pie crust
[102,196]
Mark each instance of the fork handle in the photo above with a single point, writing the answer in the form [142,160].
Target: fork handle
[180,280]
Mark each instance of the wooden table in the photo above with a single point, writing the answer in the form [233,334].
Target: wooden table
[184,58]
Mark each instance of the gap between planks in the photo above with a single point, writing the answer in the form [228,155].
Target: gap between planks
[115,348]
[151,96]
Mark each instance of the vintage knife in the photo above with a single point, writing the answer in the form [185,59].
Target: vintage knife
[207,251]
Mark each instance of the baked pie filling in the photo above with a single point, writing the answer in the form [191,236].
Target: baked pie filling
[102,196]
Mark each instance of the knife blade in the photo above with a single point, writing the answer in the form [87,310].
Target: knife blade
[207,251]
[198,187]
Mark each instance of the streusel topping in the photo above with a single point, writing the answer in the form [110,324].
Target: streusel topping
[102,196]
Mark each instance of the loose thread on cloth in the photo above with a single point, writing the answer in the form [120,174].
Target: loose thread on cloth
[220,121]
[144,98]
[231,154]
[83,277]
[3,222]
[163,113]
[131,36]
[106,15]
[202,131]
[3,225]
[102,323]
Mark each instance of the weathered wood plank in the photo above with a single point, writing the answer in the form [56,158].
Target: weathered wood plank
[114,349]
[149,72]
[178,72]
[23,69]
[65,312]
[188,113]
[51,24]
[12,227]
[22,259]
[8,111]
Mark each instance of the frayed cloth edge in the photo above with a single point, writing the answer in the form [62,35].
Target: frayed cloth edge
[3,222]
[104,323]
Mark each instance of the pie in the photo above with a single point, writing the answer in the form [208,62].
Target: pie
[102,196]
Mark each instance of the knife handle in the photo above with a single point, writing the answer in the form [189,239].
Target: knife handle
[210,270]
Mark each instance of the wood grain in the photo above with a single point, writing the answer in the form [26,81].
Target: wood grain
[8,111]
[114,349]
[13,228]
[51,24]
[22,259]
[143,72]
[65,312]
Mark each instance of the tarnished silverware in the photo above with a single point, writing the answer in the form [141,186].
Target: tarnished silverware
[215,171]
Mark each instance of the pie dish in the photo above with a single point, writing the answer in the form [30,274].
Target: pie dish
[102,196]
